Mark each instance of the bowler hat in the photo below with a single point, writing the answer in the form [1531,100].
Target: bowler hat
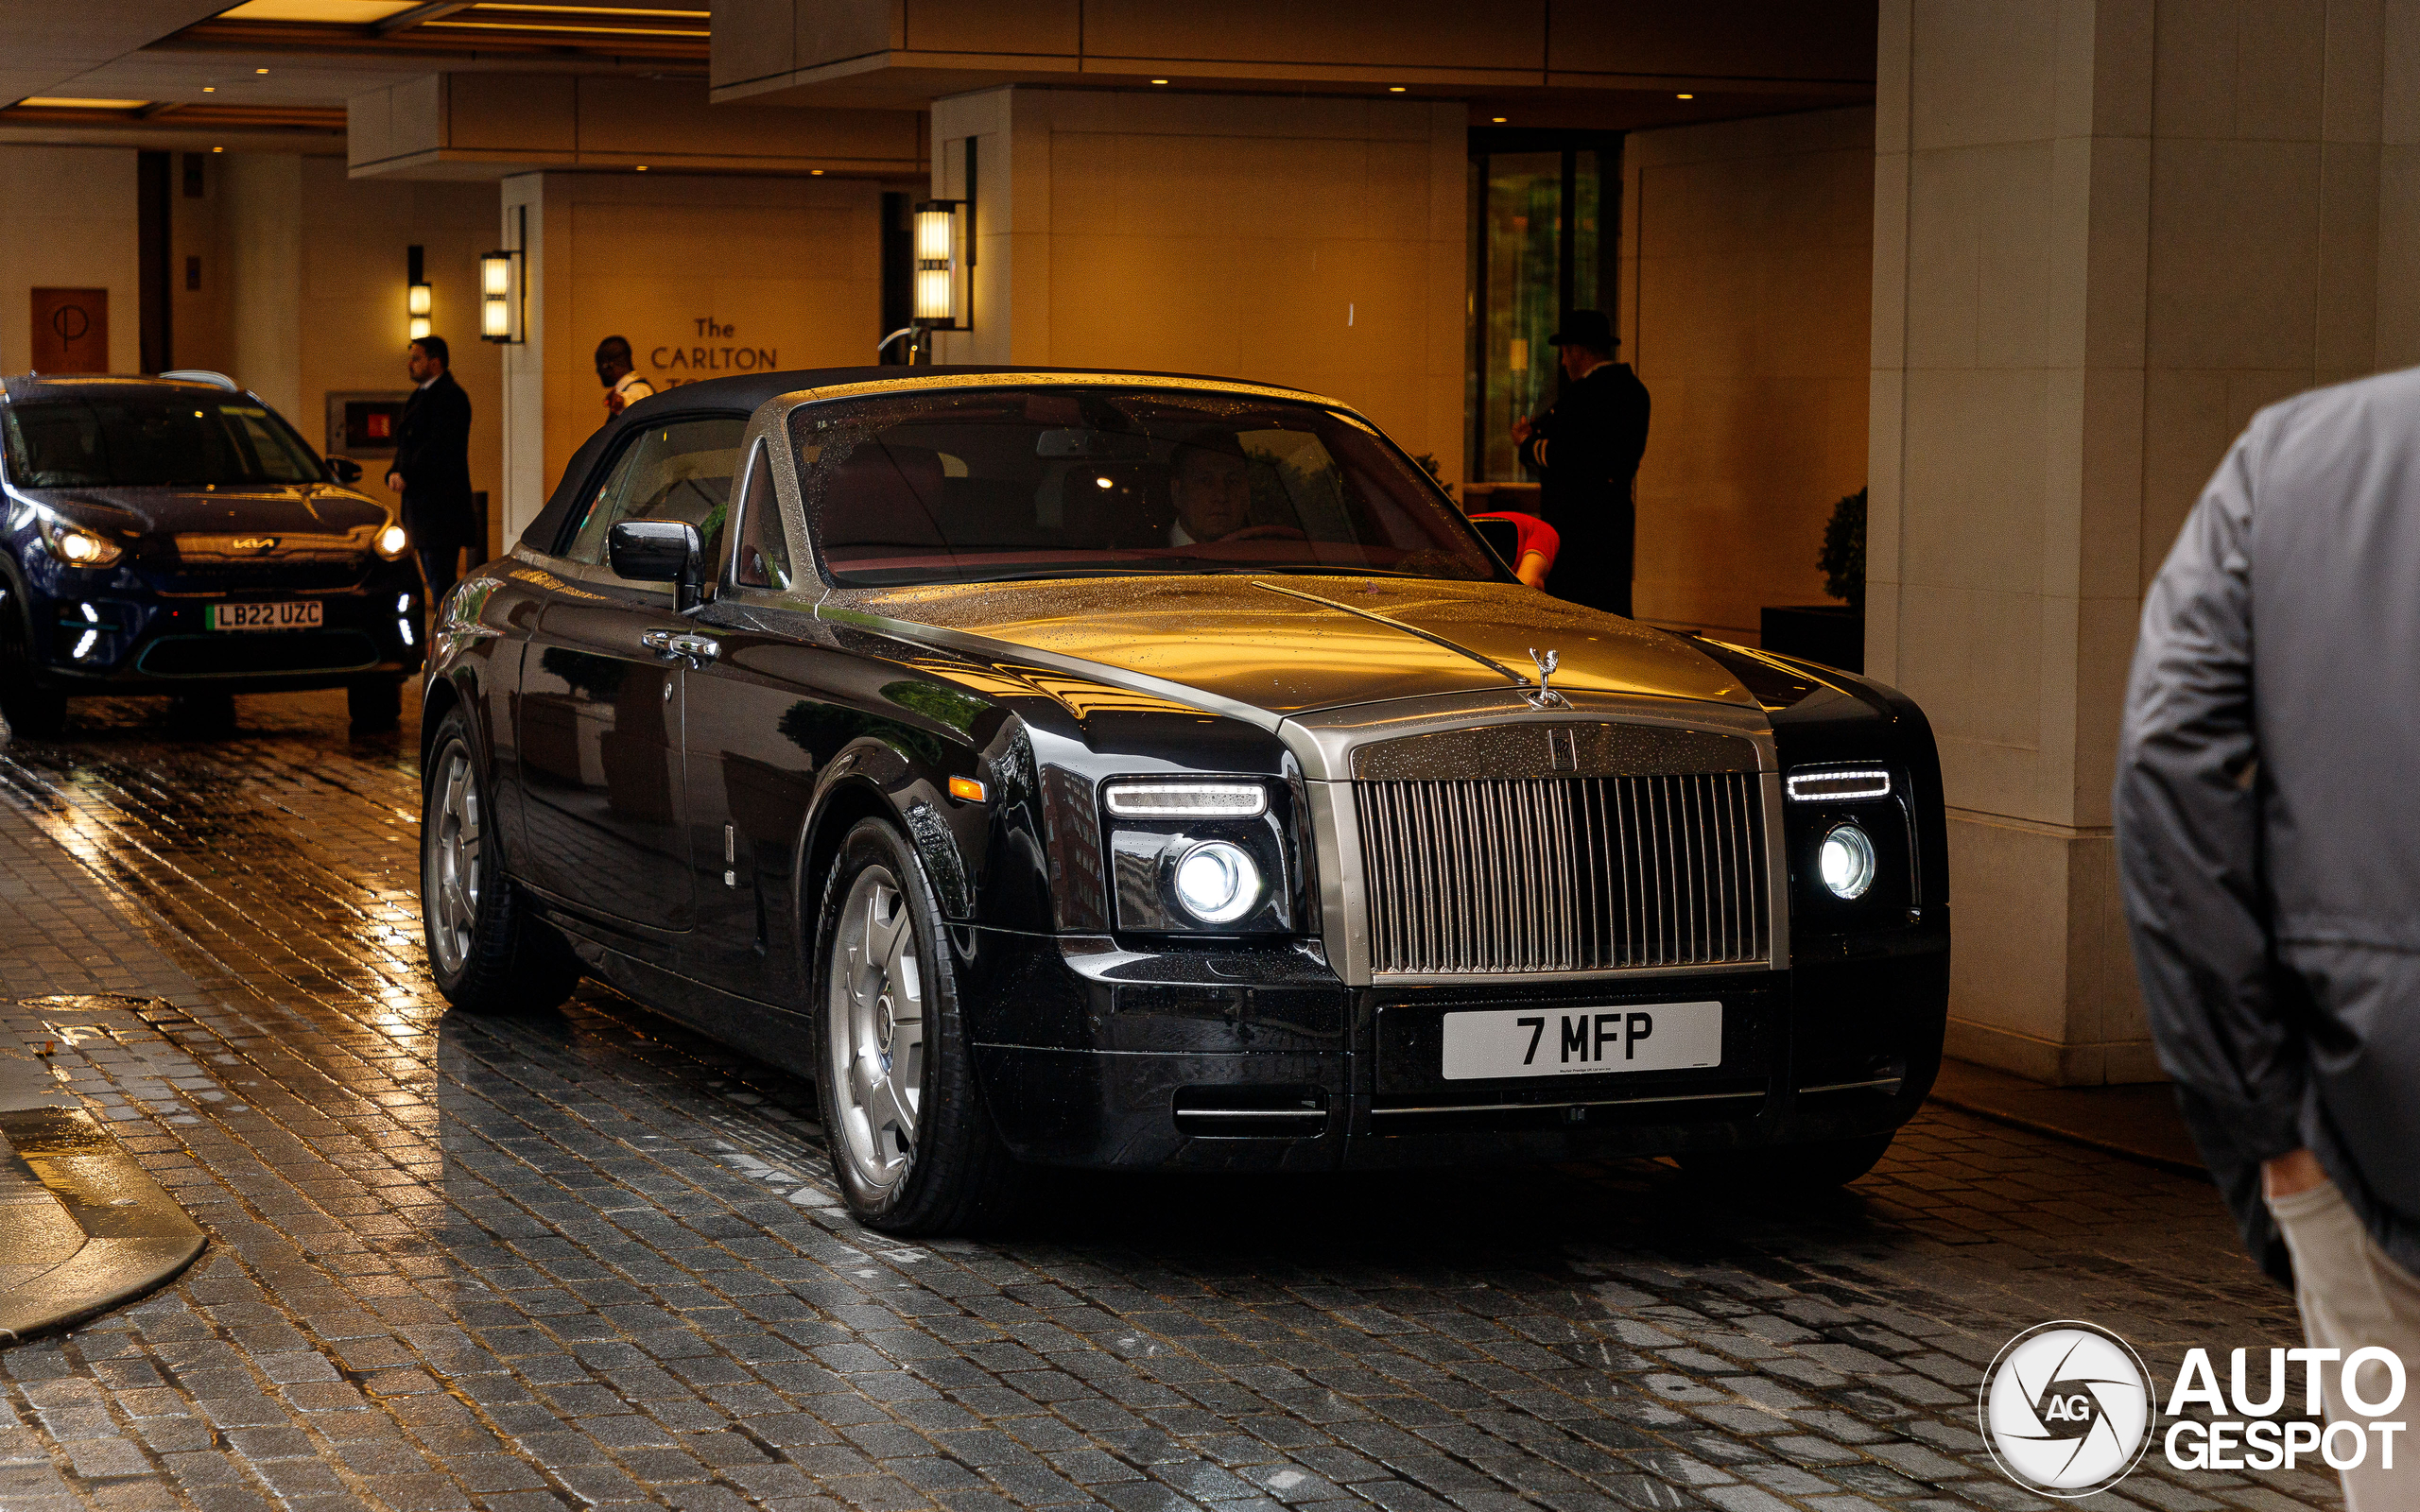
[1584,328]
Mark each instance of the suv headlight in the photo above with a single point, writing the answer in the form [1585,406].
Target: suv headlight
[392,543]
[79,547]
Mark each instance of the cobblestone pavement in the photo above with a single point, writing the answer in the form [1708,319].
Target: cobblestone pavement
[594,1259]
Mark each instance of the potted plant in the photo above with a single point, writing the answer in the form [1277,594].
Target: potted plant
[1833,634]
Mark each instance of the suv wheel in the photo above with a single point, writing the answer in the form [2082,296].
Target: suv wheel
[374,705]
[31,711]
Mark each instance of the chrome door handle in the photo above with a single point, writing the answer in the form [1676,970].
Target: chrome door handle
[695,649]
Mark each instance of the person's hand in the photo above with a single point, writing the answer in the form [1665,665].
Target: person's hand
[395,481]
[2296,1170]
[614,404]
[1520,430]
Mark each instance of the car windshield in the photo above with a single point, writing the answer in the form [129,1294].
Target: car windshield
[983,484]
[146,441]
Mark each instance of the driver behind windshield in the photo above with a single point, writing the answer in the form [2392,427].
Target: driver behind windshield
[1212,489]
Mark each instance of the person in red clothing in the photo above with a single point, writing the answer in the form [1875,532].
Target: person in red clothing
[1536,544]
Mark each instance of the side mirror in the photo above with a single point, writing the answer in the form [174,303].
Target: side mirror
[658,551]
[344,470]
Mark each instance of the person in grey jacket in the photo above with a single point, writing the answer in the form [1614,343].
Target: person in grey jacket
[2268,846]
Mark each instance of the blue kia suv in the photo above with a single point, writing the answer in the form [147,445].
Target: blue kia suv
[175,535]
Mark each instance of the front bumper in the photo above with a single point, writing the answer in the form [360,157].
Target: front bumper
[118,633]
[1090,1055]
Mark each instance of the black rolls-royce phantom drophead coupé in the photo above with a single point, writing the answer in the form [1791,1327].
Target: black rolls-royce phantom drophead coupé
[1121,769]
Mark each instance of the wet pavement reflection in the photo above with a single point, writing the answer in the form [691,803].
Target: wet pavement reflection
[594,1259]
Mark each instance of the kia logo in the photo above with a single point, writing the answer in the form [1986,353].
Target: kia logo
[254,544]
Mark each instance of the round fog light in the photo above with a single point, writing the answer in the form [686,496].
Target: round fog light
[1217,883]
[1846,861]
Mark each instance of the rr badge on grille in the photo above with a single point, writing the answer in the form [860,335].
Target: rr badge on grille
[1563,749]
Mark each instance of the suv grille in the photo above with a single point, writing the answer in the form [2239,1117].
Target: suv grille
[1564,874]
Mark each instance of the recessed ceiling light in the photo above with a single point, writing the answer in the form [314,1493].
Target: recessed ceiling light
[260,70]
[218,150]
[1498,119]
[1395,89]
[1159,81]
[815,173]
[210,88]
[1685,97]
[642,167]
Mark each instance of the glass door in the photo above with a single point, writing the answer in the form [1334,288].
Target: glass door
[1543,238]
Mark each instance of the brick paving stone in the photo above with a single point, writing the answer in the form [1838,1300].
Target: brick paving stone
[594,1260]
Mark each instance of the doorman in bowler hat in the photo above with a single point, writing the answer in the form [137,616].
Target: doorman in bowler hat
[1584,451]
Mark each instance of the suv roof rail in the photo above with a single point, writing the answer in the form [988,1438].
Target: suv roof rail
[202,375]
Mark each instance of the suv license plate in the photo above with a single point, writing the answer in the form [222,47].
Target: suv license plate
[287,615]
[1582,1040]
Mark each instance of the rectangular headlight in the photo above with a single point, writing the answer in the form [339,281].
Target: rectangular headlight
[1187,800]
[1839,784]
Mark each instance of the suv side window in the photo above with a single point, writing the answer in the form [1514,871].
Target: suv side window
[678,469]
[764,559]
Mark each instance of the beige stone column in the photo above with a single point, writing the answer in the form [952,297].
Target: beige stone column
[2105,232]
[706,277]
[1316,243]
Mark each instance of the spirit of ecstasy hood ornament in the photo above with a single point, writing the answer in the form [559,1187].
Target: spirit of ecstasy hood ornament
[1543,696]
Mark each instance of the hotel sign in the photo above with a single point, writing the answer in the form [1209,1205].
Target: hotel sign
[710,353]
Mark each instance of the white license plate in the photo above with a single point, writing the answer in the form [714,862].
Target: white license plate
[289,614]
[1582,1040]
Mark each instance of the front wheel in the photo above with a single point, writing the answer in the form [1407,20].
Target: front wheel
[912,1142]
[28,709]
[373,705]
[1786,1168]
[486,953]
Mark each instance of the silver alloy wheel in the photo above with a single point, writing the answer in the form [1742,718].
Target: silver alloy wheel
[451,880]
[874,1024]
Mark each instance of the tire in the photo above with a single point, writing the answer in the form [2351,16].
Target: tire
[486,952]
[31,711]
[374,705]
[203,713]
[1779,1170]
[912,1142]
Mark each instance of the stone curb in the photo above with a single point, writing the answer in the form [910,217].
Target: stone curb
[2137,1124]
[136,1236]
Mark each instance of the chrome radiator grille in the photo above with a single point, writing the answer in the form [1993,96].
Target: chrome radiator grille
[1564,874]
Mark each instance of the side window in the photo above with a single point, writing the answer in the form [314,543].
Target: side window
[763,550]
[267,440]
[677,470]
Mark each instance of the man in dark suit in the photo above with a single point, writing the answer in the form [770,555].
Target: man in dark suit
[1585,449]
[432,466]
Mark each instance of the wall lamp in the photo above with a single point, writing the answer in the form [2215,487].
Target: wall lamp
[502,286]
[943,290]
[500,297]
[419,299]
